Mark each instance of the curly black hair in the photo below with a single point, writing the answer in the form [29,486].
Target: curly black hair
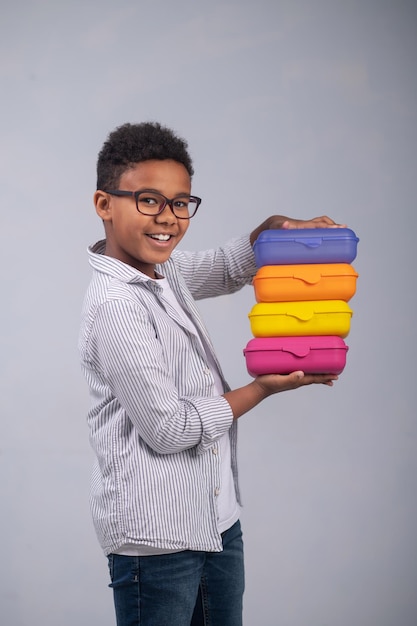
[132,143]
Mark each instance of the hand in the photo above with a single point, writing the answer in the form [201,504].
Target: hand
[274,383]
[245,398]
[280,221]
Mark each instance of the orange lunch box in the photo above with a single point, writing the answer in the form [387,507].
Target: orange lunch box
[287,283]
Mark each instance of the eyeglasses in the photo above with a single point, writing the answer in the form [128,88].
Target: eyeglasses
[153,203]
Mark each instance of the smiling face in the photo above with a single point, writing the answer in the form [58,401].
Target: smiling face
[143,241]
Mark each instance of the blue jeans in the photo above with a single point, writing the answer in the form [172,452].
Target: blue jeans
[187,588]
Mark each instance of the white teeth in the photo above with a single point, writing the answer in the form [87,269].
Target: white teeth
[160,237]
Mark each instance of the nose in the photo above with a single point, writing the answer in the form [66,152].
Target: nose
[167,215]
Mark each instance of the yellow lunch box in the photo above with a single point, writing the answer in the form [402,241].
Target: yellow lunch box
[312,317]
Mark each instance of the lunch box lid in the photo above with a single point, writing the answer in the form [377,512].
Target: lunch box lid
[310,237]
[303,310]
[308,273]
[298,346]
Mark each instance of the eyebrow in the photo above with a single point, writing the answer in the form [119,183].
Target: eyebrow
[180,193]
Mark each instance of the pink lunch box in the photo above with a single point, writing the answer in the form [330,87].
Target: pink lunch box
[323,354]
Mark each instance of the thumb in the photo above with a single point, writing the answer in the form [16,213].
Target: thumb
[295,378]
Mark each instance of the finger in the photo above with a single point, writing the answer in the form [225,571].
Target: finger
[326,222]
[300,379]
[324,219]
[317,222]
[281,382]
[324,379]
[294,380]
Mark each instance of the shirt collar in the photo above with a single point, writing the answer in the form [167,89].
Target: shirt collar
[113,267]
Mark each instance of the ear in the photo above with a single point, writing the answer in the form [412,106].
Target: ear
[102,203]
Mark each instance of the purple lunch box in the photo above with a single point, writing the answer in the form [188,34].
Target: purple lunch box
[322,354]
[305,245]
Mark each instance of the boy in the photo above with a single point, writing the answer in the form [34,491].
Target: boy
[163,421]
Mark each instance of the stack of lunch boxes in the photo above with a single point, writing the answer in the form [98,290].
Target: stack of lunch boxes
[302,288]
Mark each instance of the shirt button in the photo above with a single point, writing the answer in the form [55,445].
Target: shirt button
[215,450]
[216,492]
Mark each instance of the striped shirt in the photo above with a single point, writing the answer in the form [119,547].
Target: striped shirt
[156,418]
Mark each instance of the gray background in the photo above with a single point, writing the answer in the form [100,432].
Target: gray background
[301,108]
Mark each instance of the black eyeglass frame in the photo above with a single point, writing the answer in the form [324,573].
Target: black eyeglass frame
[167,201]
